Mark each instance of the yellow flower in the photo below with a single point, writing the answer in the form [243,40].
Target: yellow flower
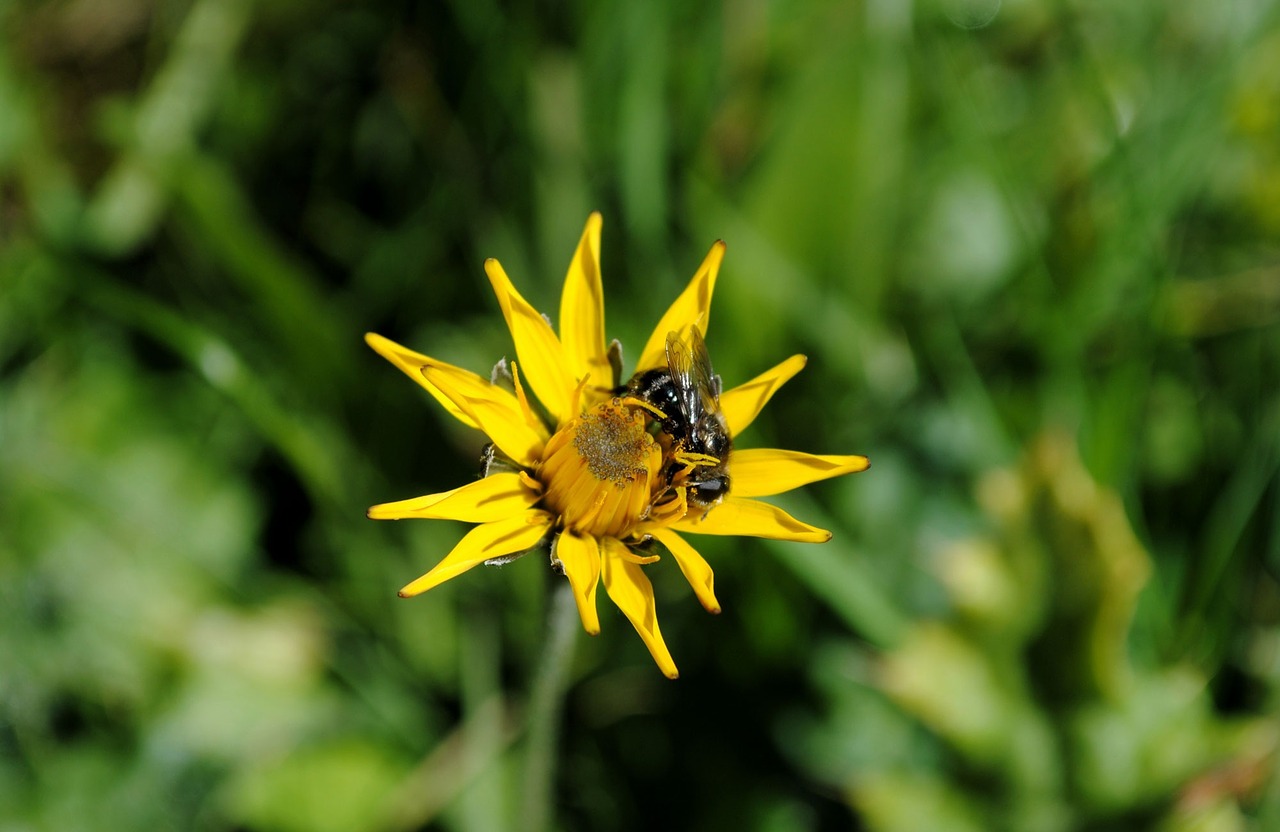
[598,482]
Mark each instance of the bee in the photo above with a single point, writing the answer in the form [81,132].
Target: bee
[688,394]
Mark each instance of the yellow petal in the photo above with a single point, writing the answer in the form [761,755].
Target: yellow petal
[639,560]
[483,501]
[492,540]
[695,568]
[541,356]
[492,409]
[743,403]
[582,310]
[761,472]
[631,591]
[411,364]
[692,307]
[530,418]
[580,555]
[751,518]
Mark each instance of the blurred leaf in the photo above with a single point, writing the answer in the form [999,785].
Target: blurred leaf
[133,197]
[337,787]
[903,802]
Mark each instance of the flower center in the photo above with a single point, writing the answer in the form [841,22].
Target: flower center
[602,469]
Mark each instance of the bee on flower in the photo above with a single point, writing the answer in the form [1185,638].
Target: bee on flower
[618,464]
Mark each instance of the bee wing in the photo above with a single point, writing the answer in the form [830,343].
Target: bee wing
[690,369]
[680,365]
[704,378]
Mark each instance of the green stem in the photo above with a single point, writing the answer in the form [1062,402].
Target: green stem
[546,706]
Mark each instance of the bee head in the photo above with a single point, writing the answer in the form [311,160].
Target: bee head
[708,493]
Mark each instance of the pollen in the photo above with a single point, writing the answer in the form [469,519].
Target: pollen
[601,470]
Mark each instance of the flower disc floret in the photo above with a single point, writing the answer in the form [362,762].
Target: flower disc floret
[600,471]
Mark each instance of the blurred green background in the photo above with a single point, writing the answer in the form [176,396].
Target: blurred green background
[1031,248]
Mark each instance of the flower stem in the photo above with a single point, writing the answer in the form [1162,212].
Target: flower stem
[546,706]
